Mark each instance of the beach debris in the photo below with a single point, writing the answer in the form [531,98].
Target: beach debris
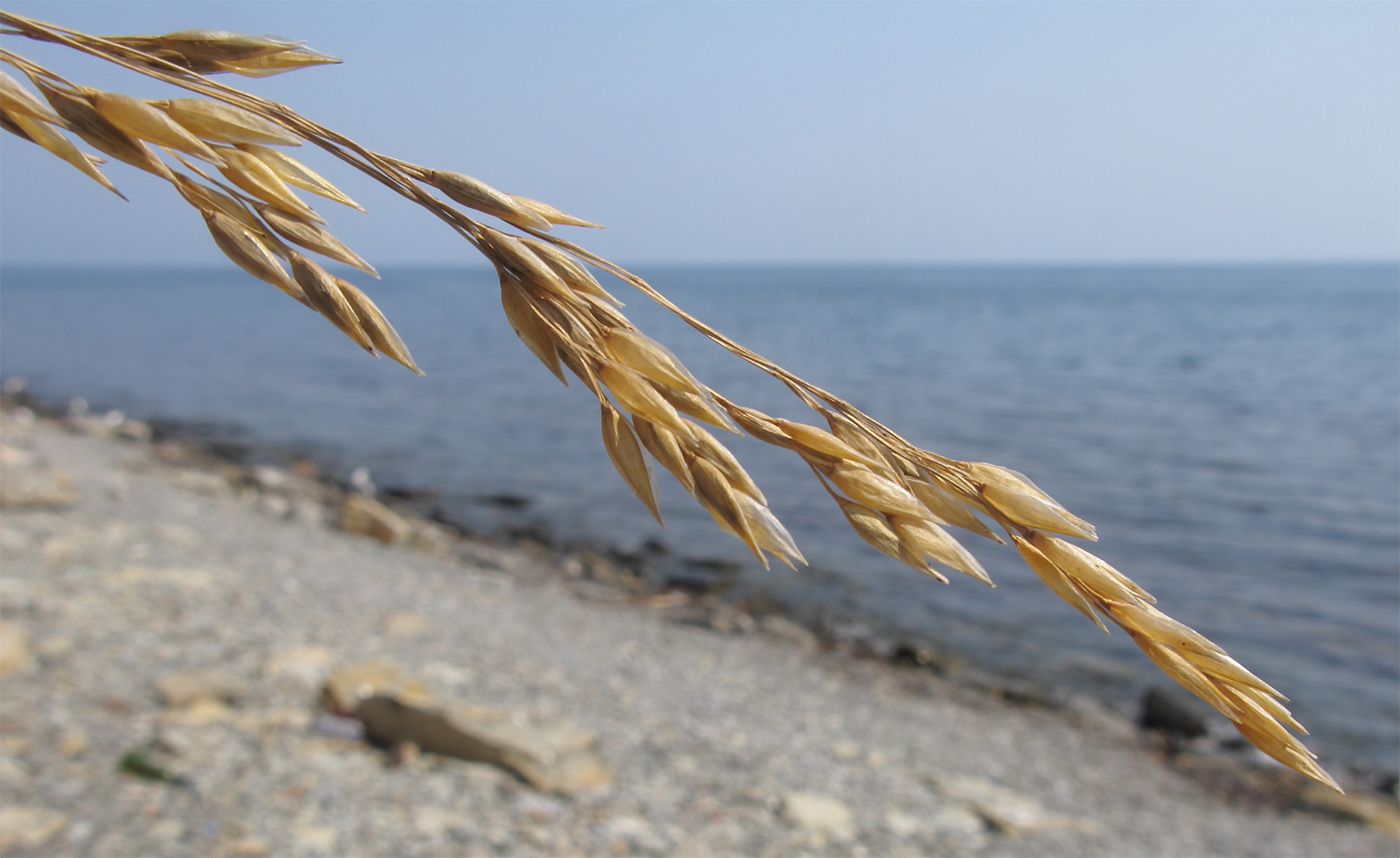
[14,649]
[1376,811]
[364,515]
[398,710]
[1005,810]
[185,689]
[38,488]
[24,826]
[818,814]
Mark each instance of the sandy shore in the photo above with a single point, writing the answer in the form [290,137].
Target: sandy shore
[141,568]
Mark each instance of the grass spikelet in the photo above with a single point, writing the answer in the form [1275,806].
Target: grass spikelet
[325,297]
[209,200]
[626,453]
[573,273]
[1056,580]
[1019,500]
[312,236]
[551,214]
[717,496]
[41,134]
[663,446]
[650,358]
[873,527]
[948,508]
[864,485]
[924,538]
[247,250]
[709,448]
[297,174]
[142,121]
[476,194]
[635,393]
[14,98]
[252,175]
[1088,570]
[87,123]
[528,325]
[382,334]
[224,123]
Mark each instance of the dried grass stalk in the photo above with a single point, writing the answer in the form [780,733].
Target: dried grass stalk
[897,497]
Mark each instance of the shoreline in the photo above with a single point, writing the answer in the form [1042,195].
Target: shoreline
[689,628]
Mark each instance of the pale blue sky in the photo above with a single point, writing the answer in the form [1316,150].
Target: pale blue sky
[803,132]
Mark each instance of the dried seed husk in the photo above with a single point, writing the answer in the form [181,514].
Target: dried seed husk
[551,214]
[872,526]
[313,237]
[815,440]
[1057,581]
[476,194]
[867,487]
[525,320]
[768,532]
[580,368]
[626,454]
[637,395]
[208,199]
[949,508]
[1185,674]
[268,65]
[1019,500]
[140,120]
[41,134]
[663,446]
[8,124]
[1272,706]
[252,175]
[248,252]
[1089,571]
[14,98]
[702,407]
[571,270]
[325,297]
[107,138]
[224,123]
[717,496]
[297,174]
[760,426]
[1149,621]
[861,442]
[923,538]
[376,325]
[708,447]
[1290,753]
[510,252]
[220,45]
[1262,720]
[650,358]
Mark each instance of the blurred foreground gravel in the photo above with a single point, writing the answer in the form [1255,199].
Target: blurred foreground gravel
[137,571]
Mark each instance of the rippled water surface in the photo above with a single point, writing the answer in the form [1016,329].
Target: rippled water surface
[1234,434]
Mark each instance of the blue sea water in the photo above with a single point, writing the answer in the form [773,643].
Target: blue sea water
[1233,432]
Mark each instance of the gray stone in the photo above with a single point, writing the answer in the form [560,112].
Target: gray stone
[31,488]
[180,690]
[29,826]
[818,814]
[368,517]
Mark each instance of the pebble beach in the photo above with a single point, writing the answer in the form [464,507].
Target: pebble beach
[172,632]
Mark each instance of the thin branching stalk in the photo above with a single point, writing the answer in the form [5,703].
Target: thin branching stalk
[223,153]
